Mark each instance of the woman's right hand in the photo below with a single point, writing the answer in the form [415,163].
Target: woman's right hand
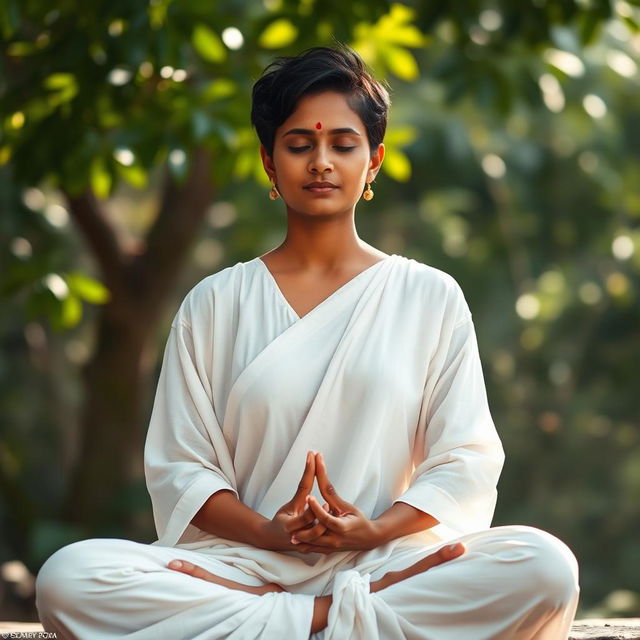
[295,514]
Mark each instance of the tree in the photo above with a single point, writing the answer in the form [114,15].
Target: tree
[154,98]
[95,97]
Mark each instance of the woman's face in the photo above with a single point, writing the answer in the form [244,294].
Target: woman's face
[323,140]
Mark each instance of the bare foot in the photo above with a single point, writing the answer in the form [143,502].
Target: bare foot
[198,572]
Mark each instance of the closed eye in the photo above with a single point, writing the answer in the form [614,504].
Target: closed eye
[301,149]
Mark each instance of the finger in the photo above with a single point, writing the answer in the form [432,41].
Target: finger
[331,522]
[302,521]
[451,551]
[193,570]
[308,535]
[327,489]
[444,554]
[448,552]
[306,482]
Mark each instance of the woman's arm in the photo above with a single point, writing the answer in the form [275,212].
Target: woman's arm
[224,515]
[401,519]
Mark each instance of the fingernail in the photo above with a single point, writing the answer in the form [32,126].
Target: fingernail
[175,564]
[453,548]
[294,540]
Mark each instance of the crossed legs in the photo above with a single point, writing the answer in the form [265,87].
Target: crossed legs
[512,582]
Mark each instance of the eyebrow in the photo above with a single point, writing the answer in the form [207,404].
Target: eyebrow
[308,131]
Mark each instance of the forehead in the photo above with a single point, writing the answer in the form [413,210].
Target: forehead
[329,108]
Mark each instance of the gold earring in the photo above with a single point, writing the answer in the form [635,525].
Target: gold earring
[368,194]
[273,194]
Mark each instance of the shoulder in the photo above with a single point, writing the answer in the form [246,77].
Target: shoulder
[434,287]
[216,288]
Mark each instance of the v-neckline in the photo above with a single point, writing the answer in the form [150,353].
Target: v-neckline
[331,296]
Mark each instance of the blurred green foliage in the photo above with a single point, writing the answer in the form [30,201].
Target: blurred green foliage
[512,163]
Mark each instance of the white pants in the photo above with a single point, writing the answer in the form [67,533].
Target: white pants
[513,582]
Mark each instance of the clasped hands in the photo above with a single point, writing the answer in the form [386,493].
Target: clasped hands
[304,525]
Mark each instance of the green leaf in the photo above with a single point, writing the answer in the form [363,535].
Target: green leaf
[59,81]
[218,89]
[71,312]
[397,165]
[135,175]
[280,33]
[157,12]
[21,49]
[100,178]
[407,36]
[401,63]
[208,44]
[401,13]
[87,288]
[64,85]
[244,164]
[5,155]
[400,136]
[395,27]
[260,175]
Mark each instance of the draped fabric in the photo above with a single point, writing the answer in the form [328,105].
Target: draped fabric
[383,377]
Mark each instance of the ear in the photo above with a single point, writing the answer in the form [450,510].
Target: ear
[375,163]
[267,163]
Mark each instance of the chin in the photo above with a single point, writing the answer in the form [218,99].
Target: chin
[324,207]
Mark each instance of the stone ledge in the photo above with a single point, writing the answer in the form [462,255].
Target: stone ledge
[606,629]
[592,629]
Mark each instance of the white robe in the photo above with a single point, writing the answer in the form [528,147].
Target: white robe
[384,378]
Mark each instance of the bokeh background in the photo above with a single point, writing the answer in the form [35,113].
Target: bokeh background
[129,171]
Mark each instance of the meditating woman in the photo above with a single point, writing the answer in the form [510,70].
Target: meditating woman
[321,457]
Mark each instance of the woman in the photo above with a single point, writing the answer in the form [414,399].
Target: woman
[320,431]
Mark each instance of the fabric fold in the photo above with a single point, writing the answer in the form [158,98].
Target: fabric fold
[358,614]
[351,614]
[458,453]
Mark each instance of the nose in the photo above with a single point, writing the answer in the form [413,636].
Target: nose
[320,161]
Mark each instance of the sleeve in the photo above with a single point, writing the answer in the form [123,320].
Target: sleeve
[186,458]
[458,455]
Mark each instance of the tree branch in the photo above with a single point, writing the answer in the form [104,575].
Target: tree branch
[100,236]
[179,219]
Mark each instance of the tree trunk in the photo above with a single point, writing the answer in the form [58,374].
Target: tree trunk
[116,382]
[111,427]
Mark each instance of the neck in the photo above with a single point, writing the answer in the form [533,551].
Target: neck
[322,244]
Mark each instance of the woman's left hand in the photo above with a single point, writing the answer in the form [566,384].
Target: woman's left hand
[343,528]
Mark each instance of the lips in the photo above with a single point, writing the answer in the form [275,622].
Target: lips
[320,187]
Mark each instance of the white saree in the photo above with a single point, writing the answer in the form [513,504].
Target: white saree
[384,378]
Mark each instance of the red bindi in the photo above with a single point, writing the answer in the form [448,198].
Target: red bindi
[318,125]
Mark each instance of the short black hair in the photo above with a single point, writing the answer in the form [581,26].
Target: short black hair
[287,79]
